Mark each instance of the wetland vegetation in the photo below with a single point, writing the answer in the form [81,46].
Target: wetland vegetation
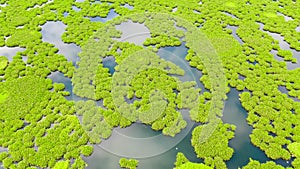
[40,128]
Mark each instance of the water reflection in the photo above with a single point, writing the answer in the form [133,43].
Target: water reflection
[234,28]
[9,52]
[128,6]
[283,45]
[174,9]
[177,55]
[112,14]
[286,18]
[110,63]
[283,89]
[51,32]
[58,77]
[75,8]
[133,32]
[66,14]
[235,114]
[231,15]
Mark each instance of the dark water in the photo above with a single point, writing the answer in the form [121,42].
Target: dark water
[235,114]
[58,77]
[110,63]
[177,55]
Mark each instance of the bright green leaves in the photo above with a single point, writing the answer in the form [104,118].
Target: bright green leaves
[3,96]
[190,165]
[295,148]
[39,126]
[295,151]
[128,163]
[147,76]
[183,163]
[87,150]
[93,121]
[162,41]
[59,87]
[215,150]
[22,37]
[19,103]
[287,55]
[61,165]
[257,165]
[230,4]
[3,62]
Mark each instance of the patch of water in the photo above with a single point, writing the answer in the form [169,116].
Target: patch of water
[174,9]
[40,6]
[110,63]
[128,6]
[133,32]
[9,52]
[231,15]
[234,34]
[75,8]
[283,89]
[196,12]
[58,77]
[3,149]
[51,32]
[283,45]
[112,14]
[286,18]
[163,161]
[3,5]
[66,14]
[298,29]
[235,114]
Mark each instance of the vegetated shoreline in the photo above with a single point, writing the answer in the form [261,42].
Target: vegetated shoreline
[272,114]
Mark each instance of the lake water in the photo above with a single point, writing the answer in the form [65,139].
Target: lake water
[51,33]
[9,52]
[283,45]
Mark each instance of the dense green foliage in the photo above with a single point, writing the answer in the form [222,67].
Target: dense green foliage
[61,165]
[128,163]
[183,163]
[38,126]
[190,165]
[255,164]
[40,129]
[92,122]
[3,62]
[215,150]
[295,151]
